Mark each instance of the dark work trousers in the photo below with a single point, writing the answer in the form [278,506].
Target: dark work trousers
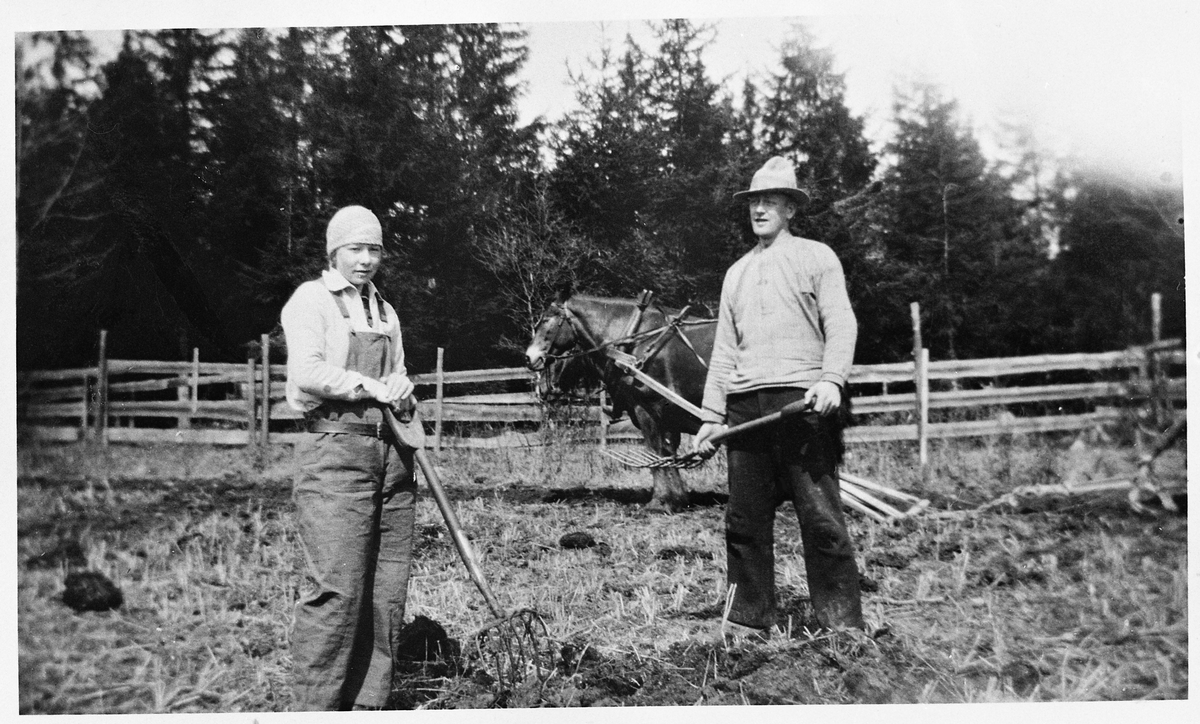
[792,460]
[355,499]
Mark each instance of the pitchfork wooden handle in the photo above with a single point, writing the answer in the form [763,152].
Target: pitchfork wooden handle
[794,408]
[461,542]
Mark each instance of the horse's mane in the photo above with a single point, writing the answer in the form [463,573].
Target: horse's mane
[699,311]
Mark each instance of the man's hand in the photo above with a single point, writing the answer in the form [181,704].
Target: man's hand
[824,398]
[700,443]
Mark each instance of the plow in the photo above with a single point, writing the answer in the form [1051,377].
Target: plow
[1143,484]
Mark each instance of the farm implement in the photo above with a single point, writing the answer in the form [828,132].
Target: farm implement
[513,645]
[857,493]
[1141,483]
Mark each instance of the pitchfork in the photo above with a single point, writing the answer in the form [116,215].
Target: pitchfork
[645,459]
[512,643]
[852,487]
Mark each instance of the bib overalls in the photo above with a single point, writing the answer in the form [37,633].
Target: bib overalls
[355,498]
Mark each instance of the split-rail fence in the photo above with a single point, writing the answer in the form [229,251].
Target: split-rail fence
[132,401]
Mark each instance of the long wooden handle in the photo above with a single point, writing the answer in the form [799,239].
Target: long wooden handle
[794,408]
[461,542]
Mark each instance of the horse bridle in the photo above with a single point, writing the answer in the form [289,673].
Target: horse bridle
[563,313]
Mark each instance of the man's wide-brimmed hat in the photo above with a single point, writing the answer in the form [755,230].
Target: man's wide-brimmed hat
[777,176]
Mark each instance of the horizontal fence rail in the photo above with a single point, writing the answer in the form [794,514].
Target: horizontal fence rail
[121,400]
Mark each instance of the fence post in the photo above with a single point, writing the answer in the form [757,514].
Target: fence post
[191,392]
[441,382]
[251,418]
[603,421]
[84,429]
[1159,403]
[195,380]
[923,420]
[921,385]
[1156,317]
[183,421]
[102,389]
[265,439]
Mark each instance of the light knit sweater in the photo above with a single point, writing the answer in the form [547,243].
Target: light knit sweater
[785,321]
[318,340]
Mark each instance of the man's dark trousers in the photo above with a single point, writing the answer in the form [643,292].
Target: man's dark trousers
[792,460]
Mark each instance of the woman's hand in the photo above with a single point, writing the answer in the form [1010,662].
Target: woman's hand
[399,387]
[390,390]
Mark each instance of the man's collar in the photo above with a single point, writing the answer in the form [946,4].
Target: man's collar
[783,236]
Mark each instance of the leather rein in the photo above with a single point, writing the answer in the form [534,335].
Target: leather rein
[612,348]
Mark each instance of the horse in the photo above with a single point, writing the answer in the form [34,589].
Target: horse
[591,337]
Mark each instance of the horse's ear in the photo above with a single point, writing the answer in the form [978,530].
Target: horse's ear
[565,290]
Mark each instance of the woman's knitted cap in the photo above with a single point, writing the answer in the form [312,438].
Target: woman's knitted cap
[352,225]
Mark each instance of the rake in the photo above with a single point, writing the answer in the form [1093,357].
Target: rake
[512,645]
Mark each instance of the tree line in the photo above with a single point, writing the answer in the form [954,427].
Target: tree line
[176,194]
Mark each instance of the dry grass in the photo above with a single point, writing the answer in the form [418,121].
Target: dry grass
[1080,604]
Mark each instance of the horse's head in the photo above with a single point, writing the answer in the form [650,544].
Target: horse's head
[552,337]
[558,351]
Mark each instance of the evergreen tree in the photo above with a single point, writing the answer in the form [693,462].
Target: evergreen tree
[688,200]
[953,219]
[805,118]
[1121,242]
[418,123]
[146,132]
[56,189]
[643,166]
[605,165]
[250,163]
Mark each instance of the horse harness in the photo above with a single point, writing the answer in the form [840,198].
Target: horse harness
[618,350]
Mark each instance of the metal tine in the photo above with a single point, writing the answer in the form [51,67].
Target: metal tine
[632,458]
[647,459]
[691,460]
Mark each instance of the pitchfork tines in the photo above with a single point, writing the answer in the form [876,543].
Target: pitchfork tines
[515,647]
[642,458]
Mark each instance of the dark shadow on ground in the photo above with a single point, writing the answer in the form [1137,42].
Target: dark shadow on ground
[626,496]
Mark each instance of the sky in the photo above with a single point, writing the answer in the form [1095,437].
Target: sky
[1108,86]
[1106,81]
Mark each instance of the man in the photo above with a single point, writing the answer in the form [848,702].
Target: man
[785,332]
[354,492]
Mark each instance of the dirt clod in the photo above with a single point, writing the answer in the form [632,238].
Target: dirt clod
[888,559]
[426,657]
[91,591]
[1021,676]
[576,540]
[682,552]
[423,641]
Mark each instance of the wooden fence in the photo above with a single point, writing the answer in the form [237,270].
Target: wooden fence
[243,404]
